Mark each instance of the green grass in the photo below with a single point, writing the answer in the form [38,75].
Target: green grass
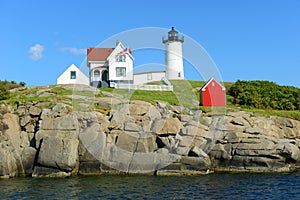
[184,94]
[107,89]
[292,114]
[60,91]
[196,84]
[155,83]
[153,96]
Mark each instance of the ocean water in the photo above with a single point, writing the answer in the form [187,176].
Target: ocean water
[212,186]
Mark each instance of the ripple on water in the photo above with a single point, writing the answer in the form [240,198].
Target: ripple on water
[213,186]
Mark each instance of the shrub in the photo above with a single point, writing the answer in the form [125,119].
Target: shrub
[4,93]
[265,95]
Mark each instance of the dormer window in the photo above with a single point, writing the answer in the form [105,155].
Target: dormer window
[121,58]
[73,74]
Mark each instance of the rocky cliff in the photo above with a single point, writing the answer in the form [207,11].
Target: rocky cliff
[54,139]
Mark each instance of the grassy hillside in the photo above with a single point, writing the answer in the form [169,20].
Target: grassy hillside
[190,91]
[185,93]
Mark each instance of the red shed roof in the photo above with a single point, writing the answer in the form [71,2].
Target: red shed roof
[98,54]
[209,82]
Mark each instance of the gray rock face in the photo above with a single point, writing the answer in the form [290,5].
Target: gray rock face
[28,157]
[142,138]
[58,153]
[8,162]
[57,141]
[12,130]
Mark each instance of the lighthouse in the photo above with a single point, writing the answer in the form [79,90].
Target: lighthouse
[173,55]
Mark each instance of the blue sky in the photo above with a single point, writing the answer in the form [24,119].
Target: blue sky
[247,40]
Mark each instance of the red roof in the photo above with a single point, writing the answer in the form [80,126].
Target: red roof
[98,54]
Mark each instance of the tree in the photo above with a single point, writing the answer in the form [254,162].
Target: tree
[22,83]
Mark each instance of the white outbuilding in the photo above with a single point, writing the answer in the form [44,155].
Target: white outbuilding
[73,75]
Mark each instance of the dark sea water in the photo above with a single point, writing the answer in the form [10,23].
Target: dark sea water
[213,186]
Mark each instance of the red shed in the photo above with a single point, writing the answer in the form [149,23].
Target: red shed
[213,94]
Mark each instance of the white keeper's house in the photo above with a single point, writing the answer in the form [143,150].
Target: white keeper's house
[110,66]
[113,67]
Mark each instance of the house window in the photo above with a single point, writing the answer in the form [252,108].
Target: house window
[149,76]
[73,75]
[120,71]
[121,58]
[179,74]
[96,74]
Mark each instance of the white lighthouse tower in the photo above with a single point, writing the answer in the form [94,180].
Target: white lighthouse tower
[173,56]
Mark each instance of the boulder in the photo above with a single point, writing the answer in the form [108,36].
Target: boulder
[196,163]
[128,141]
[263,145]
[288,133]
[139,108]
[59,110]
[25,120]
[60,153]
[170,127]
[154,113]
[157,125]
[8,163]
[34,111]
[24,139]
[172,109]
[253,130]
[54,133]
[284,122]
[117,158]
[240,121]
[12,129]
[92,144]
[189,130]
[67,122]
[117,121]
[130,126]
[290,151]
[28,158]
[184,151]
[197,152]
[150,162]
[219,152]
[30,128]
[108,101]
[255,163]
[186,140]
[206,121]
[146,143]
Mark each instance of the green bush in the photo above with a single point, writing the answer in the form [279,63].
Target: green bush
[5,86]
[4,93]
[265,95]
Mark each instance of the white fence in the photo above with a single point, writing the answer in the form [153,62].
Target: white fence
[145,87]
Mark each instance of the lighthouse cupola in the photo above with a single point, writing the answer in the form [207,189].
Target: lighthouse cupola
[173,36]
[173,55]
